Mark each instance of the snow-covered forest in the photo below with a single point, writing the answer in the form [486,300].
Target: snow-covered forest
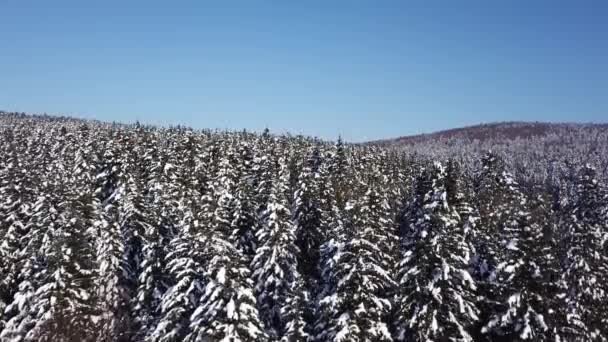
[113,232]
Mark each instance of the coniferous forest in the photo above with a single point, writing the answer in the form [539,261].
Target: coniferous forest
[112,232]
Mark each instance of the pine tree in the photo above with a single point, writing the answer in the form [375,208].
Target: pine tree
[19,313]
[460,195]
[275,265]
[335,236]
[292,313]
[12,229]
[336,169]
[584,291]
[63,307]
[245,215]
[185,265]
[307,216]
[28,242]
[226,309]
[524,281]
[436,299]
[502,209]
[359,304]
[150,287]
[148,220]
[498,202]
[114,273]
[19,188]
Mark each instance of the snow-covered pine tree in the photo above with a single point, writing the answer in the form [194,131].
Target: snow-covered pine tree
[307,216]
[275,265]
[25,246]
[335,235]
[12,228]
[293,311]
[20,318]
[185,264]
[226,310]
[185,258]
[147,222]
[20,180]
[245,215]
[524,282]
[114,273]
[497,201]
[460,196]
[357,308]
[264,170]
[64,304]
[19,314]
[336,168]
[502,210]
[150,285]
[436,297]
[584,290]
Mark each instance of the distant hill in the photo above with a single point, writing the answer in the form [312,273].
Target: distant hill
[504,131]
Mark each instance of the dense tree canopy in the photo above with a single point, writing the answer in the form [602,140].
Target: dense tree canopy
[113,232]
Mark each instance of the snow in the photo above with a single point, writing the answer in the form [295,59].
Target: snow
[230,313]
[512,245]
[221,276]
[157,190]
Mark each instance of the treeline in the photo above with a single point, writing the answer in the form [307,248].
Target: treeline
[133,233]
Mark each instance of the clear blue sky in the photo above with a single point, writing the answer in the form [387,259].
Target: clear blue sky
[362,69]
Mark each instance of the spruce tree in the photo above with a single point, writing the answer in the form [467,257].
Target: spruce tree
[19,314]
[359,304]
[584,292]
[275,265]
[63,308]
[526,291]
[307,216]
[185,264]
[226,310]
[503,212]
[436,298]
[245,214]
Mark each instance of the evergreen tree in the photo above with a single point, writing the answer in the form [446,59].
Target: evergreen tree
[307,216]
[335,236]
[13,222]
[64,308]
[436,298]
[185,264]
[526,287]
[226,309]
[245,215]
[293,312]
[20,317]
[147,222]
[503,212]
[359,304]
[275,266]
[460,196]
[498,202]
[150,287]
[114,273]
[584,291]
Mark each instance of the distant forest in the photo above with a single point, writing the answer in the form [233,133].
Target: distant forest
[114,232]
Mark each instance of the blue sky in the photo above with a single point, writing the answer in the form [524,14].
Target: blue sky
[360,69]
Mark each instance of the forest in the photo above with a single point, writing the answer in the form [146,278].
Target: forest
[129,232]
